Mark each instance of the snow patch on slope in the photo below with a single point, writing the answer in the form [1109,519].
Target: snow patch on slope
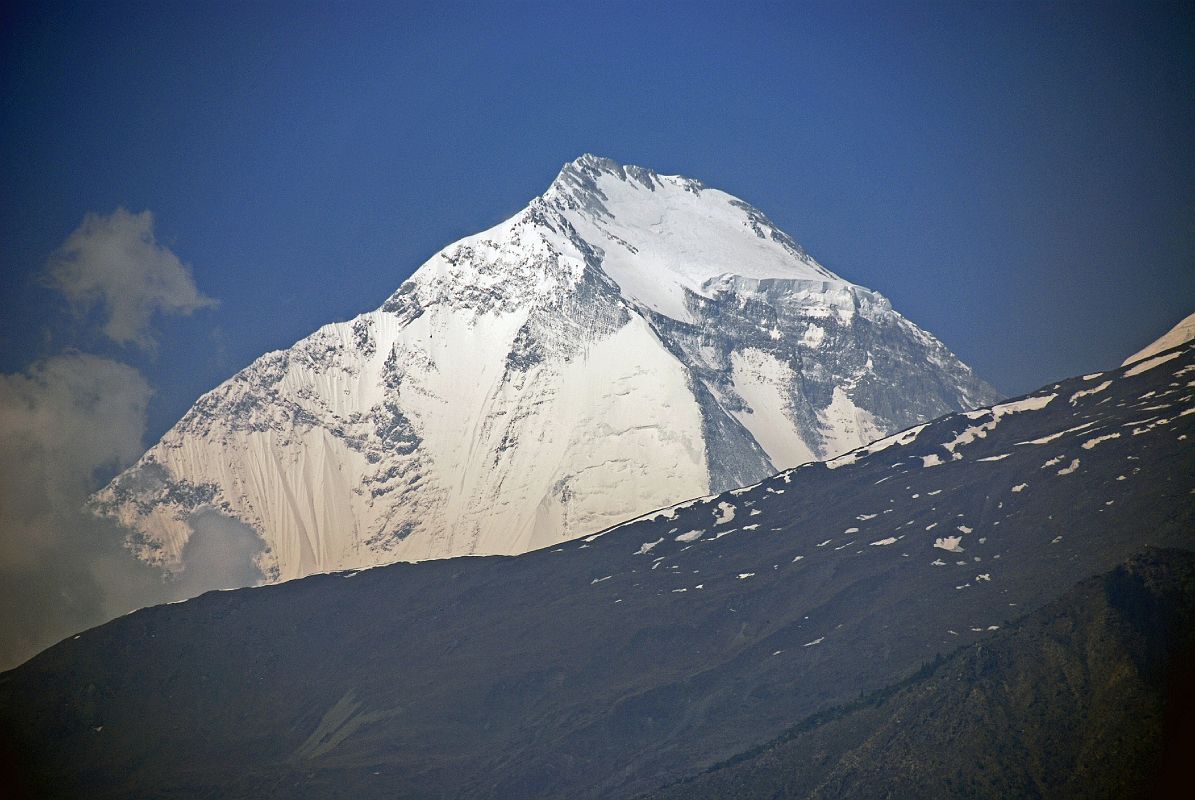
[1144,366]
[763,381]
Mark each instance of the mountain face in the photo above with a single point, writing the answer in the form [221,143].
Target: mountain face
[627,340]
[625,661]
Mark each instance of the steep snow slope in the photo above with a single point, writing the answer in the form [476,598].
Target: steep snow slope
[626,340]
[1181,333]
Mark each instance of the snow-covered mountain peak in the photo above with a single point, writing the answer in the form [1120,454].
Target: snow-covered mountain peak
[580,177]
[665,238]
[627,340]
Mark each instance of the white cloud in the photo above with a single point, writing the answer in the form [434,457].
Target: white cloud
[220,553]
[115,263]
[66,424]
[62,420]
[69,422]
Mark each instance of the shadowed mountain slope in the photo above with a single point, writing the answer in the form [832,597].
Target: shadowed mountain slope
[1088,697]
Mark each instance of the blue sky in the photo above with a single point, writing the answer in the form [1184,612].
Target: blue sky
[1017,178]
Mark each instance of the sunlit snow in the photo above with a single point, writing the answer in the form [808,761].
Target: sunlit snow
[646,547]
[1074,465]
[1088,392]
[1150,363]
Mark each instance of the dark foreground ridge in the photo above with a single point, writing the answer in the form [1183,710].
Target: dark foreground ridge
[1088,697]
[625,662]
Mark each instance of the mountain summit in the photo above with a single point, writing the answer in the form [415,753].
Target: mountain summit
[626,341]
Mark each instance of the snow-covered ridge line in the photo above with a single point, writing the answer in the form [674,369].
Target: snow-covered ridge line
[1181,333]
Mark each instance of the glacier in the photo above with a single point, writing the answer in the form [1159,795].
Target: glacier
[626,341]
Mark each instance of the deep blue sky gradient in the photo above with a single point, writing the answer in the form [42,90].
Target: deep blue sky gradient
[1017,178]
